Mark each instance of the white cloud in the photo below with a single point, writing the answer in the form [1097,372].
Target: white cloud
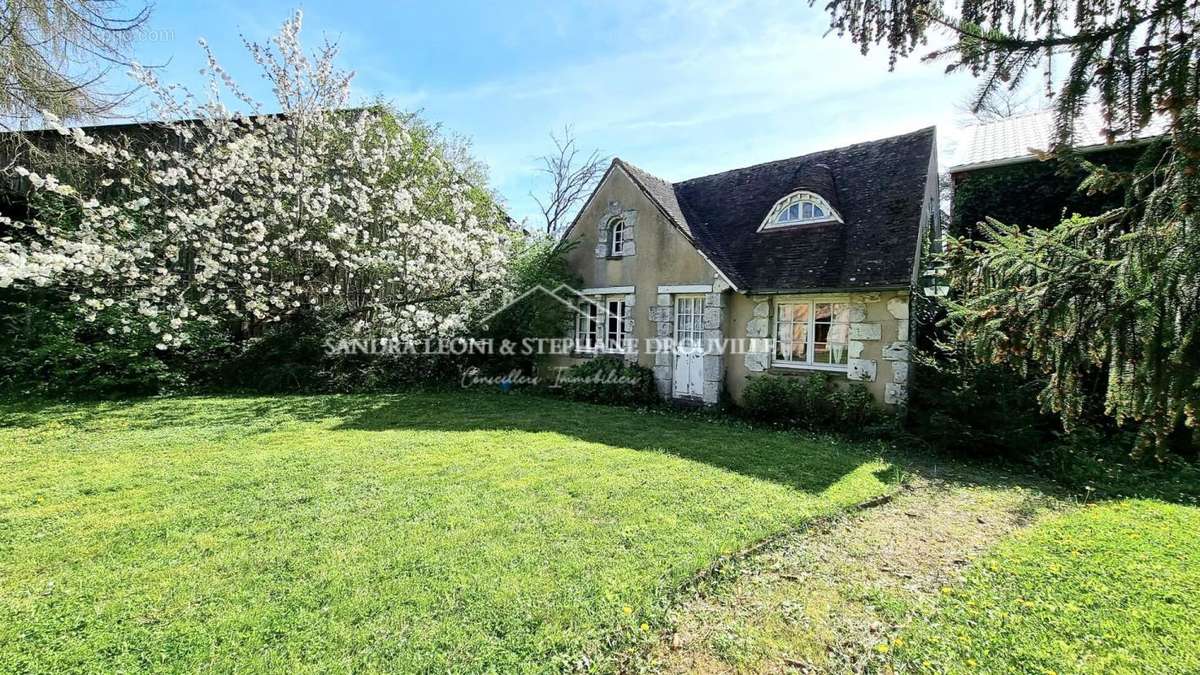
[698,88]
[679,87]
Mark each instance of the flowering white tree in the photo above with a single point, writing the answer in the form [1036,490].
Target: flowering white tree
[233,214]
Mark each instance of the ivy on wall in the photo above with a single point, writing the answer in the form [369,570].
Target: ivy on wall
[1033,194]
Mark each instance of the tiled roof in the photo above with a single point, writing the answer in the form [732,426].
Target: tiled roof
[878,188]
[1015,138]
[660,191]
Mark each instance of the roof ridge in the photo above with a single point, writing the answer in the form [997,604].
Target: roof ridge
[680,220]
[875,247]
[630,165]
[1008,141]
[113,123]
[810,154]
[674,213]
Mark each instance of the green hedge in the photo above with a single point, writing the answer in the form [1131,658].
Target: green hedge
[46,349]
[811,402]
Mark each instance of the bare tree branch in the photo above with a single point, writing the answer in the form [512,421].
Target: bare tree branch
[997,104]
[55,56]
[572,174]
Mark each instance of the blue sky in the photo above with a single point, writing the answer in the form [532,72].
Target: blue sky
[681,88]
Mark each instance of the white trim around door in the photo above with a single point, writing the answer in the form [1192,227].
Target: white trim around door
[688,377]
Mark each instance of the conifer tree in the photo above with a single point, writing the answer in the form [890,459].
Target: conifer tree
[1107,306]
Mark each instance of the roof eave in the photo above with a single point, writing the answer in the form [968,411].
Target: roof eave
[827,289]
[1008,161]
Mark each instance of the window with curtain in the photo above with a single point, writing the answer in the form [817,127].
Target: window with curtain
[812,334]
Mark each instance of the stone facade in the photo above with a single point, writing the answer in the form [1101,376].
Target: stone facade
[631,346]
[896,391]
[758,332]
[662,319]
[877,352]
[616,212]
[714,356]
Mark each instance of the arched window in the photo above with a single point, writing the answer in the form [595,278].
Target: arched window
[616,237]
[800,208]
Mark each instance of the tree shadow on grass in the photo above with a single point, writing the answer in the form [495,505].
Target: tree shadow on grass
[256,414]
[804,462]
[808,464]
[1181,486]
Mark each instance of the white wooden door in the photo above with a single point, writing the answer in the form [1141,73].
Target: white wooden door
[688,378]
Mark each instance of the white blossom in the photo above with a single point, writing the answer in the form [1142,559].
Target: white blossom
[317,207]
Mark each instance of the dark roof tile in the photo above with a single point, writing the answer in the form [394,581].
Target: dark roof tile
[660,191]
[878,188]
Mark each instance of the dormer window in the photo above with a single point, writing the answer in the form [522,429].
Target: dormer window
[800,208]
[616,237]
[798,212]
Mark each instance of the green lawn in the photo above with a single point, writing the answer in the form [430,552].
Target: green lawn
[424,531]
[1113,588]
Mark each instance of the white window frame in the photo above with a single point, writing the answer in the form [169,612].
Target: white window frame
[587,326]
[810,335]
[594,321]
[693,337]
[800,198]
[616,237]
[614,307]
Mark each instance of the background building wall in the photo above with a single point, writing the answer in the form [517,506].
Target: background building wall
[1032,193]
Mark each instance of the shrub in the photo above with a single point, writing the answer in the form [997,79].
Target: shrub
[46,347]
[291,356]
[991,411]
[978,409]
[286,357]
[607,379]
[1101,464]
[539,262]
[771,399]
[811,402]
[854,408]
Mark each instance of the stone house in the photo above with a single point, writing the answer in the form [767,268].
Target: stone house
[791,267]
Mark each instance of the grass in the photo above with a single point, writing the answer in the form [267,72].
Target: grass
[1103,589]
[410,532]
[969,569]
[832,598]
